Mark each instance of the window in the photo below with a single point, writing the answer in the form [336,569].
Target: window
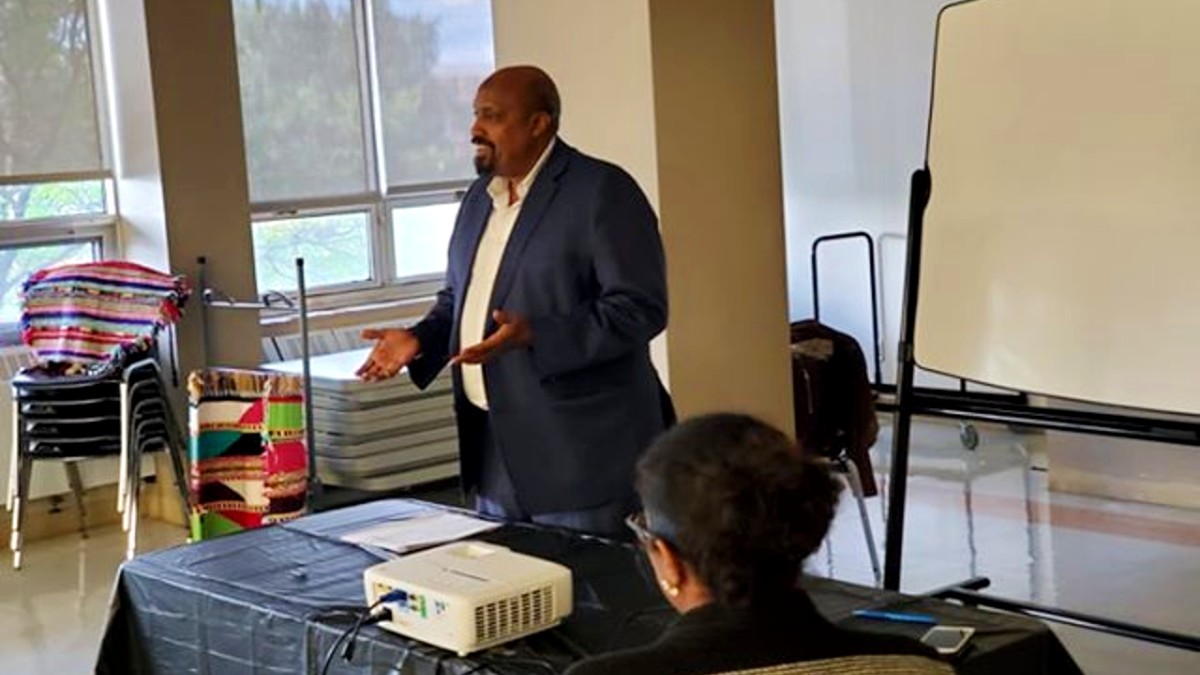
[55,202]
[358,151]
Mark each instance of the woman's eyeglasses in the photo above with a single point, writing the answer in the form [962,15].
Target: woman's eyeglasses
[637,523]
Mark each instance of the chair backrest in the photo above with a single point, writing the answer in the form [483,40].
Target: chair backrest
[96,314]
[873,664]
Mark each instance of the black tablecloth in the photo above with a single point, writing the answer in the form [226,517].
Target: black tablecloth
[260,602]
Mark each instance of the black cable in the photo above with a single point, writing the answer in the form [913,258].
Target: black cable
[364,616]
[325,663]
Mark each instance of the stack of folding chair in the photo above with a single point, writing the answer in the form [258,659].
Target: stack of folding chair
[96,390]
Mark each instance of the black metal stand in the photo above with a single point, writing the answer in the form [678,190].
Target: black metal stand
[968,594]
[902,417]
[910,401]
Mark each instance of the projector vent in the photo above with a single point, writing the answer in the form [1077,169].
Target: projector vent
[511,616]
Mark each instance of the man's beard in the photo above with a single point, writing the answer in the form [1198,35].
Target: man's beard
[484,164]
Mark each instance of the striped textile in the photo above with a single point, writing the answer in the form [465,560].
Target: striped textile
[91,315]
[249,462]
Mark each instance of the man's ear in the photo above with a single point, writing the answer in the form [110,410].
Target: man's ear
[541,124]
[673,570]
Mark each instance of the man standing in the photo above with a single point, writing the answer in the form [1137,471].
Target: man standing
[555,285]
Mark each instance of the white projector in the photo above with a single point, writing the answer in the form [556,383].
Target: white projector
[470,595]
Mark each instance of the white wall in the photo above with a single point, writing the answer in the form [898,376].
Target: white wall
[854,81]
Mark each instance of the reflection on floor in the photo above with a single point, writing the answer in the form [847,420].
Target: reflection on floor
[986,512]
[989,513]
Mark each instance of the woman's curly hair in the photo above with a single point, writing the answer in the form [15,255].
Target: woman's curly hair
[739,502]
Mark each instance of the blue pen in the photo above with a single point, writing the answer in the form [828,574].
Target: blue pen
[903,617]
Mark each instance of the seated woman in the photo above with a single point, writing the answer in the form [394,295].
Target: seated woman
[732,509]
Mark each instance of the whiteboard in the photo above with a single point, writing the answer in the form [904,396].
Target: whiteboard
[1061,249]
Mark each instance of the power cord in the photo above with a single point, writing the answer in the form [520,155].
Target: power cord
[365,616]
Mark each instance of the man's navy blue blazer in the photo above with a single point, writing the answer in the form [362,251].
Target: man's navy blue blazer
[571,413]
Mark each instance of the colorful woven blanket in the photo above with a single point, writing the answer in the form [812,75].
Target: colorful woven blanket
[249,462]
[94,314]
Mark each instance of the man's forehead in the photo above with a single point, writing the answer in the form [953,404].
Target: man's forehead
[497,96]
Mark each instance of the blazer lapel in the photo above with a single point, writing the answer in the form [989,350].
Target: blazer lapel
[541,193]
[474,223]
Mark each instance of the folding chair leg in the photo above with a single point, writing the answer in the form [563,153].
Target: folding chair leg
[15,459]
[133,480]
[131,508]
[76,483]
[177,448]
[180,481]
[856,488]
[20,506]
[124,472]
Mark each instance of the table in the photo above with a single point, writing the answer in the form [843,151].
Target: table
[258,602]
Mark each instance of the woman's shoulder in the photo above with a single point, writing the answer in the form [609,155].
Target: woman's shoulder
[629,662]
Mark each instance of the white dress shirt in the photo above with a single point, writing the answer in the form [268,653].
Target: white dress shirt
[475,312]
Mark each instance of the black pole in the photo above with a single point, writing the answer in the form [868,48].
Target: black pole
[310,436]
[202,275]
[902,418]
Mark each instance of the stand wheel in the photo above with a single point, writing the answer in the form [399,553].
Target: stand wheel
[968,435]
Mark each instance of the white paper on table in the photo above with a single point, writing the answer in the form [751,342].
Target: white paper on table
[420,531]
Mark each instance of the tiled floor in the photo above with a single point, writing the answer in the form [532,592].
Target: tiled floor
[970,513]
[989,513]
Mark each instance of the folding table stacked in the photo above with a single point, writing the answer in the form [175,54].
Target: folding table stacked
[378,436]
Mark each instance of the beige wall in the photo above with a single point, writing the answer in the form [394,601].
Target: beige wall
[604,78]
[682,94]
[720,195]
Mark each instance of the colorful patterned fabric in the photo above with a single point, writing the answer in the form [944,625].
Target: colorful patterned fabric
[92,315]
[249,461]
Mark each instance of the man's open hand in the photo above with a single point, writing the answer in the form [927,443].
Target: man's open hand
[394,349]
[512,332]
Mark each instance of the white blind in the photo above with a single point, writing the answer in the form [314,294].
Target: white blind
[48,116]
[431,56]
[302,103]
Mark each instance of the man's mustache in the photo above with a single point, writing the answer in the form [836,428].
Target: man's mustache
[477,140]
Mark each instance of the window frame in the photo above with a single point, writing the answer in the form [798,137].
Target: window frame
[384,284]
[98,229]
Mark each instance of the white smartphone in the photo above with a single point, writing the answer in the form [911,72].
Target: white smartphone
[948,639]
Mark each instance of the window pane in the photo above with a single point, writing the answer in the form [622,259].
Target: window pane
[422,236]
[17,263]
[301,100]
[432,55]
[336,250]
[49,200]
[47,101]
